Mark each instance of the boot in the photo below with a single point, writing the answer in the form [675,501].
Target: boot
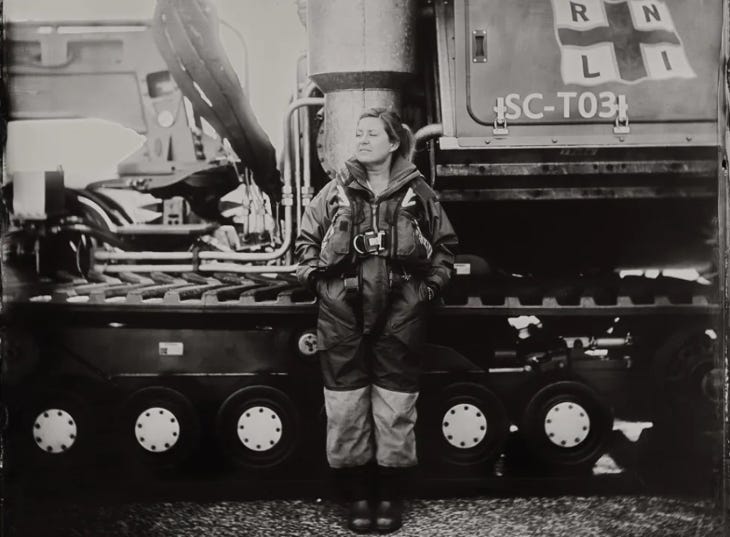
[360,516]
[391,485]
[389,515]
[354,485]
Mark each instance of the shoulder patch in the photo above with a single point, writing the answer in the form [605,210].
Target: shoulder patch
[409,200]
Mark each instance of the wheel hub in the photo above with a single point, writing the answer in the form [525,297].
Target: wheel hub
[157,429]
[567,424]
[54,430]
[464,426]
[259,428]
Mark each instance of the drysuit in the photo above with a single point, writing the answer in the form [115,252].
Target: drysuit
[374,262]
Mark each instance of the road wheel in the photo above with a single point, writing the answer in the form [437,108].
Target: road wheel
[160,426]
[469,425]
[566,425]
[258,427]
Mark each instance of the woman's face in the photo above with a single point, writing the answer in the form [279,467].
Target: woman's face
[373,144]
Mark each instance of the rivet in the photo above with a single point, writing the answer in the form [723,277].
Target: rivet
[555,140]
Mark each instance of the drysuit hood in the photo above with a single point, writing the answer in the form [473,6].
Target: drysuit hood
[402,172]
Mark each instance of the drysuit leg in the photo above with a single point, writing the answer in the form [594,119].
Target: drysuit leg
[346,379]
[393,400]
[396,369]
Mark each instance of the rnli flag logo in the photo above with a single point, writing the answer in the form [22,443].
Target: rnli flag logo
[618,41]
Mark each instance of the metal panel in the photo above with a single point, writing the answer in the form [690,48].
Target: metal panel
[563,62]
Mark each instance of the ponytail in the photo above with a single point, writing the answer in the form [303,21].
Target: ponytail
[397,130]
[407,145]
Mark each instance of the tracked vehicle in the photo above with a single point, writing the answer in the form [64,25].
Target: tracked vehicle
[578,148]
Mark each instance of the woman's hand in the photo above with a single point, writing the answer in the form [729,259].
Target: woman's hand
[427,292]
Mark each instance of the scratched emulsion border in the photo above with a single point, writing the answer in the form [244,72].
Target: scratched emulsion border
[723,255]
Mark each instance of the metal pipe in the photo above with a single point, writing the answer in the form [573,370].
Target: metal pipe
[429,131]
[295,126]
[206,267]
[101,255]
[611,342]
[232,267]
[306,191]
[143,268]
[294,106]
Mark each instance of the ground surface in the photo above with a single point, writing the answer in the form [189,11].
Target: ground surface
[574,516]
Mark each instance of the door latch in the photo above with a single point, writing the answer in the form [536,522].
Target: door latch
[621,126]
[500,121]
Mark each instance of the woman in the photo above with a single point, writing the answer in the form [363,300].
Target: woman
[376,247]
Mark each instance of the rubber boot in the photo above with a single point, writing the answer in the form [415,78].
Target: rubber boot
[391,485]
[355,487]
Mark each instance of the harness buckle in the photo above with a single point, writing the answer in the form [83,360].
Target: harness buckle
[370,242]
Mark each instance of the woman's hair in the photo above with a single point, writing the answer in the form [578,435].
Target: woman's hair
[397,130]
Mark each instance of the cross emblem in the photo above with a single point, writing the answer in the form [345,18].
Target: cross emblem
[618,40]
[625,38]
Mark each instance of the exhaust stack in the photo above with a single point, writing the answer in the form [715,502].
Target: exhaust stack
[360,54]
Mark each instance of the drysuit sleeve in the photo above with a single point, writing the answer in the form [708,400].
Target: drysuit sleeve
[444,242]
[315,222]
